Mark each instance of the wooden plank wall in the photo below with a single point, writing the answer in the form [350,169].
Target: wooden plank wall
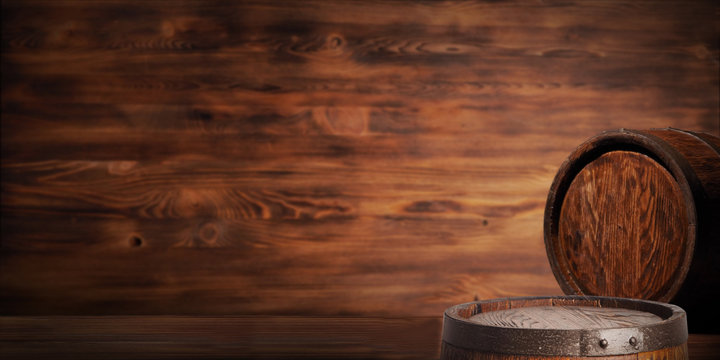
[374,158]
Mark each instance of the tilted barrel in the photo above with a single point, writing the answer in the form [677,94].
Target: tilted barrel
[567,327]
[636,214]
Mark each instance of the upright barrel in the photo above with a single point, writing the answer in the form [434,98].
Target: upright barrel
[636,214]
[564,327]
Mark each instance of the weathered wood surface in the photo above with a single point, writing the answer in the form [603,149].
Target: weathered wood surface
[633,213]
[568,327]
[624,227]
[314,157]
[158,337]
[565,317]
[188,337]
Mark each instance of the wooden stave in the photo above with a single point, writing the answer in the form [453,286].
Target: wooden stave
[701,287]
[692,288]
[450,352]
[477,341]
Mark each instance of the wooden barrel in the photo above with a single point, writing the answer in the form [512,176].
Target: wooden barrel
[565,327]
[636,214]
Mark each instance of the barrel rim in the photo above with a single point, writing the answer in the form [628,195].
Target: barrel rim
[613,140]
[459,332]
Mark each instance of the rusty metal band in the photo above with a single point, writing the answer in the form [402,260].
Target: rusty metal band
[671,331]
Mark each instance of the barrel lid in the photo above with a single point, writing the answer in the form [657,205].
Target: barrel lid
[565,326]
[620,218]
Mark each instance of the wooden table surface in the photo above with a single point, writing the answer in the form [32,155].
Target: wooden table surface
[143,337]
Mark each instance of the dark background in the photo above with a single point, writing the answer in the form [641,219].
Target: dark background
[315,159]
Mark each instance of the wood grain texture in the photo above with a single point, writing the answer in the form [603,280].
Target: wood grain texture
[624,227]
[316,157]
[571,327]
[675,352]
[565,317]
[228,337]
[158,337]
[634,214]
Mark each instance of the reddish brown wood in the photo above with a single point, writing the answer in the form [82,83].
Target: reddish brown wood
[226,337]
[314,157]
[676,352]
[161,337]
[623,228]
[634,214]
[703,346]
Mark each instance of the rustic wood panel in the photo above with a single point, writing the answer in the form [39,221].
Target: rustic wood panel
[175,337]
[193,337]
[315,157]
